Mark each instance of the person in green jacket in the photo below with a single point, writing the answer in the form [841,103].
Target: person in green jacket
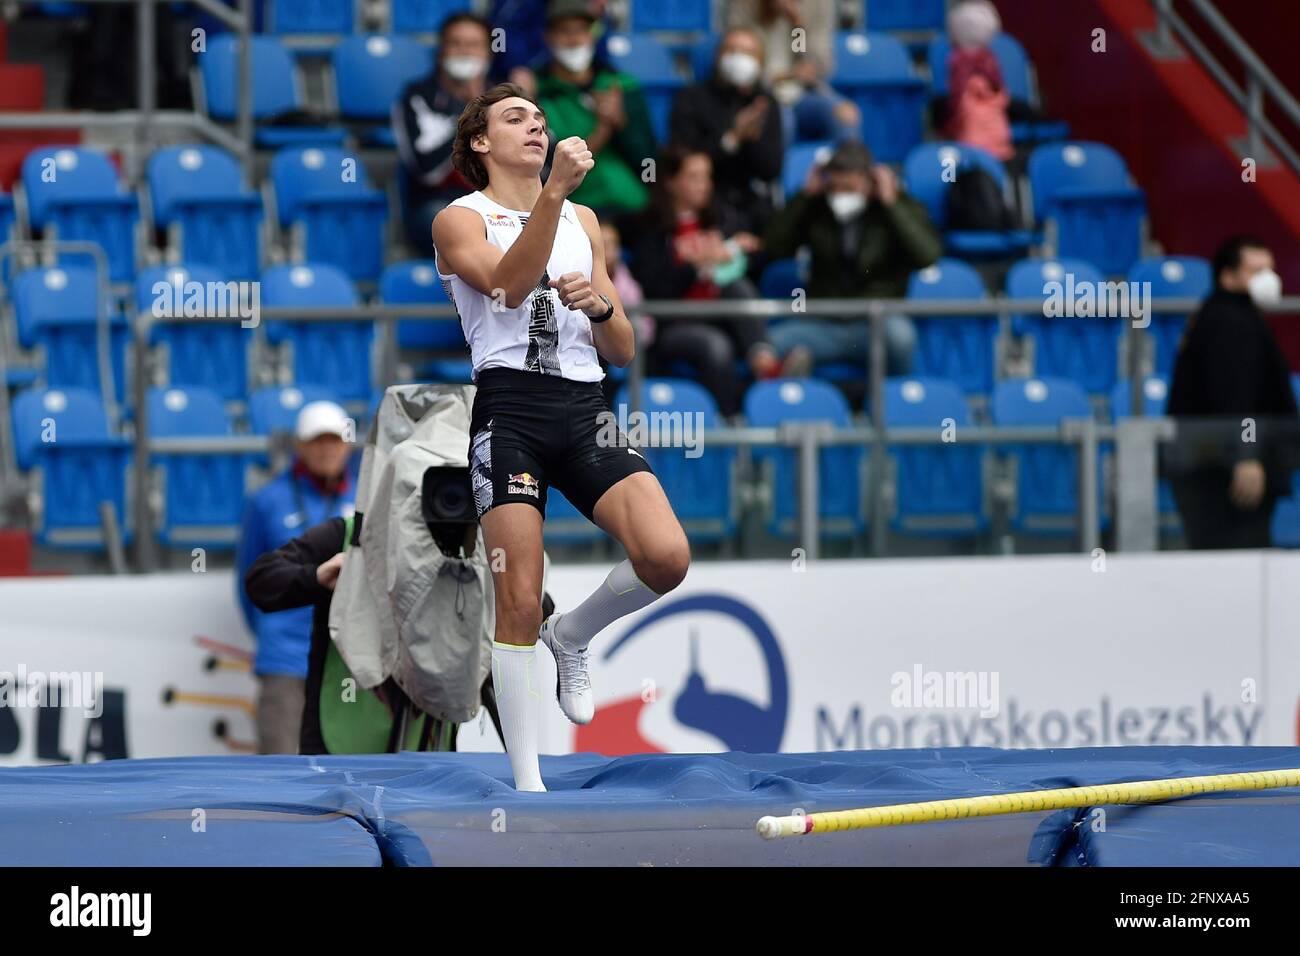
[866,236]
[605,107]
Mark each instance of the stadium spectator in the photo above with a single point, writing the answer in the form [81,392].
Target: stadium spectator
[303,573]
[977,98]
[316,487]
[424,124]
[690,245]
[797,72]
[525,55]
[738,123]
[1229,365]
[867,236]
[607,108]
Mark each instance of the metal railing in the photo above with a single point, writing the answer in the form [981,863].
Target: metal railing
[1134,440]
[146,115]
[1259,78]
[1086,435]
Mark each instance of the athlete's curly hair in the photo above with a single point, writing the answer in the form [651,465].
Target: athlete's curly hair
[474,122]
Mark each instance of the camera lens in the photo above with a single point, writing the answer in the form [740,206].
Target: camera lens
[450,500]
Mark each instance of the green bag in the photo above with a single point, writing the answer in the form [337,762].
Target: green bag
[353,720]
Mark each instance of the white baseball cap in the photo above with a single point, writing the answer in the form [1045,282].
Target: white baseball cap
[322,418]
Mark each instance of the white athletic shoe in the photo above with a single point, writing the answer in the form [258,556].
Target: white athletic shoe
[572,682]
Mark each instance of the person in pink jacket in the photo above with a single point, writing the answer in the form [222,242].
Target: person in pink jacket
[978,99]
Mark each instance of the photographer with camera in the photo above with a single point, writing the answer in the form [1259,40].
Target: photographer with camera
[317,486]
[419,645]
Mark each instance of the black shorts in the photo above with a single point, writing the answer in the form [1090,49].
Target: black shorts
[530,431]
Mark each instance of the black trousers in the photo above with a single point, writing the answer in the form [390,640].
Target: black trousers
[1211,521]
[713,347]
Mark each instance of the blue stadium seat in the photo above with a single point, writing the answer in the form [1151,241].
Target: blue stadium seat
[1171,277]
[42,415]
[81,464]
[62,9]
[57,309]
[424,16]
[564,523]
[940,487]
[1047,476]
[327,195]
[198,193]
[287,17]
[276,407]
[960,348]
[930,170]
[1086,190]
[799,159]
[203,495]
[701,55]
[7,218]
[369,75]
[416,282]
[8,230]
[210,355]
[781,277]
[335,355]
[1155,393]
[651,63]
[73,193]
[1084,349]
[875,71]
[671,15]
[904,14]
[275,90]
[1285,528]
[770,403]
[1286,519]
[700,488]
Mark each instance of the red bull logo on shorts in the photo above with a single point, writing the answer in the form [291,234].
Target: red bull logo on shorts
[523,484]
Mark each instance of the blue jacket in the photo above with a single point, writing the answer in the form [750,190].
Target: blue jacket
[272,517]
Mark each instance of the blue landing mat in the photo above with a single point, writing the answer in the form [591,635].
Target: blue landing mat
[656,809]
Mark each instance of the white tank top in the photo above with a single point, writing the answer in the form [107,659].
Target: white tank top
[541,335]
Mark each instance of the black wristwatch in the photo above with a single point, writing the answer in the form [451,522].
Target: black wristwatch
[608,313]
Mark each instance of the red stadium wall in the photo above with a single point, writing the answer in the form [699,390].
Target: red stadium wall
[1270,29]
[22,88]
[1172,124]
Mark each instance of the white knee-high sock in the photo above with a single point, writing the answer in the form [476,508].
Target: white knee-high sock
[621,593]
[515,680]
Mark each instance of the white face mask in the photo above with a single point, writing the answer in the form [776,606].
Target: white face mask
[576,59]
[739,69]
[1265,287]
[464,68]
[846,205]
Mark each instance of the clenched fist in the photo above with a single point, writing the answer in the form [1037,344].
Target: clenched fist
[576,293]
[572,162]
